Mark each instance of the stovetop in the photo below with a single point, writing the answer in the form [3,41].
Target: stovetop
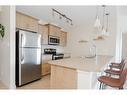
[52,51]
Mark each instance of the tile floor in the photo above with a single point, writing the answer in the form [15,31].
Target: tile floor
[43,83]
[2,86]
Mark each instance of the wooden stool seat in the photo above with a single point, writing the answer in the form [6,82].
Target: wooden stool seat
[111,81]
[114,82]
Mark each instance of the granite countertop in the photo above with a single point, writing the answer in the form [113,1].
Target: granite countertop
[84,64]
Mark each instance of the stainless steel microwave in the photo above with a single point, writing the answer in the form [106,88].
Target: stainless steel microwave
[53,40]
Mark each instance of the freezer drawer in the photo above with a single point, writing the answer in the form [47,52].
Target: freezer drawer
[30,65]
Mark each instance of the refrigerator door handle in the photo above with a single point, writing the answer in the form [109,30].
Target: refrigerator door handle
[22,57]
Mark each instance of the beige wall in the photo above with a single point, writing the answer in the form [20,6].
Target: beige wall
[86,32]
[0,8]
[7,46]
[124,45]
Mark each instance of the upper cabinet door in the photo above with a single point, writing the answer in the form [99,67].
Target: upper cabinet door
[54,30]
[63,38]
[33,24]
[26,22]
[43,30]
[18,20]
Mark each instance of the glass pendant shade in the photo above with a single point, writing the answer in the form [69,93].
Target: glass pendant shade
[102,26]
[97,23]
[103,32]
[107,30]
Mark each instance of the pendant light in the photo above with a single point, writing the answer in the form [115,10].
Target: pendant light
[61,16]
[103,32]
[97,23]
[107,31]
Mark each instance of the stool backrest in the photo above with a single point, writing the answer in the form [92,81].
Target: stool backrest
[122,66]
[123,76]
[122,61]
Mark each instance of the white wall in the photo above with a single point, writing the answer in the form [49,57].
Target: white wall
[7,46]
[118,36]
[0,8]
[86,32]
[121,28]
[12,47]
[124,45]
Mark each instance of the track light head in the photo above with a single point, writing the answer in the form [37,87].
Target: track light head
[61,16]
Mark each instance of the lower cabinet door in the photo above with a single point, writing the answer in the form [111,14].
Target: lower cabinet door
[46,69]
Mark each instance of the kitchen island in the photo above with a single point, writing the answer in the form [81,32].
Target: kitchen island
[77,73]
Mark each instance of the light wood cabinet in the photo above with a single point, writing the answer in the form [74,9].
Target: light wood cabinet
[43,30]
[46,69]
[63,38]
[26,22]
[18,20]
[63,78]
[54,30]
[29,23]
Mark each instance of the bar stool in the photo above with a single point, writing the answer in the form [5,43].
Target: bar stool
[111,71]
[116,65]
[113,82]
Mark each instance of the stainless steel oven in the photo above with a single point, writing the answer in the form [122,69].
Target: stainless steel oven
[53,40]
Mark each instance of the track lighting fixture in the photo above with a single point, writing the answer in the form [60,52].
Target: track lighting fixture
[68,20]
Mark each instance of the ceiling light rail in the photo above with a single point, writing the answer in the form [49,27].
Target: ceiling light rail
[62,16]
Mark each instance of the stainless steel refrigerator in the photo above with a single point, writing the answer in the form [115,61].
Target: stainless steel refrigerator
[28,57]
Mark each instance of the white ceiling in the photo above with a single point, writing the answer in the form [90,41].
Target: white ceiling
[81,15]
